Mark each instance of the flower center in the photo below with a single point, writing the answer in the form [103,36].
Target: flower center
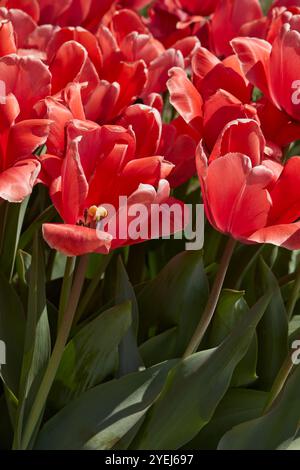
[93,216]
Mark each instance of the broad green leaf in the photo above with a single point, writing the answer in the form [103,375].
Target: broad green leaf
[23,263]
[6,432]
[12,231]
[47,216]
[294,325]
[91,355]
[295,445]
[242,261]
[160,347]
[177,297]
[276,429]
[129,356]
[103,415]
[12,332]
[231,308]
[37,339]
[237,406]
[195,387]
[266,5]
[272,330]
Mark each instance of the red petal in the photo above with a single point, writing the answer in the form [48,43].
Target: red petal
[220,109]
[17,182]
[241,136]
[142,117]
[284,71]
[159,70]
[24,138]
[285,195]
[74,185]
[73,60]
[83,37]
[185,98]
[235,194]
[286,236]
[72,240]
[17,73]
[7,38]
[228,18]
[254,55]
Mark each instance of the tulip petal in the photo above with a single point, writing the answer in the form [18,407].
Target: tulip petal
[17,73]
[241,136]
[16,183]
[74,240]
[185,98]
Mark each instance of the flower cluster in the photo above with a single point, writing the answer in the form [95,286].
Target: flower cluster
[86,94]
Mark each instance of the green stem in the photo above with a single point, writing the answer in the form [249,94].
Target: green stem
[295,295]
[212,301]
[61,341]
[280,382]
[92,288]
[66,288]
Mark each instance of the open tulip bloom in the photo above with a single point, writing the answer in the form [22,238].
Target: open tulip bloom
[149,226]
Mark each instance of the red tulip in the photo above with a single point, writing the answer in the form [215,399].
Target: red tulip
[82,185]
[173,20]
[206,118]
[249,198]
[19,168]
[20,135]
[227,21]
[274,68]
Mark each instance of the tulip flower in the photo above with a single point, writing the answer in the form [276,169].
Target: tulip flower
[207,117]
[247,196]
[100,166]
[20,135]
[274,68]
[227,21]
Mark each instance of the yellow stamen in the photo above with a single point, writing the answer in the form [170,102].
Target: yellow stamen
[97,213]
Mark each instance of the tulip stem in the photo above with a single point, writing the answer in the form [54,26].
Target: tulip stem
[295,294]
[66,288]
[212,301]
[53,365]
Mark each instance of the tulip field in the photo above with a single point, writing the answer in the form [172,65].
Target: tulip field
[149,227]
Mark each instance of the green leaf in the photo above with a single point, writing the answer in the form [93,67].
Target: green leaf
[6,432]
[129,356]
[47,216]
[237,406]
[266,4]
[276,429]
[91,355]
[12,332]
[23,263]
[272,330]
[195,387]
[13,226]
[160,347]
[231,308]
[177,297]
[103,415]
[37,338]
